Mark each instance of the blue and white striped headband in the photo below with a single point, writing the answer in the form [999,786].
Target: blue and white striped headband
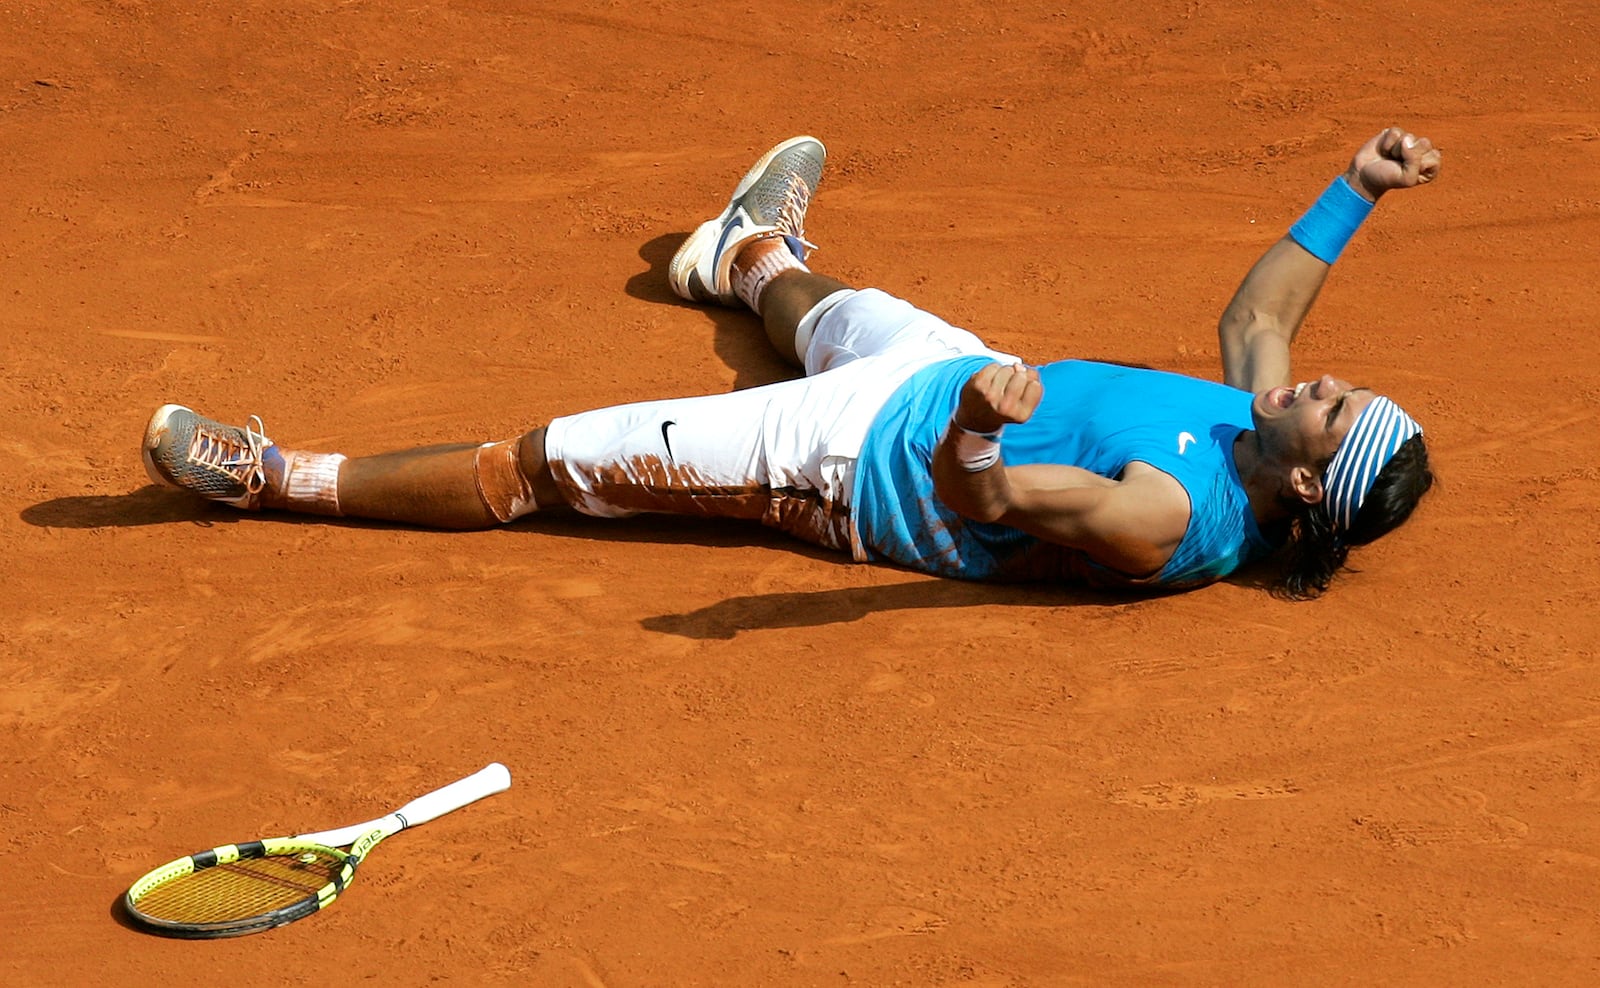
[1380,430]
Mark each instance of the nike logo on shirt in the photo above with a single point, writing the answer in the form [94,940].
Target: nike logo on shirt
[1184,439]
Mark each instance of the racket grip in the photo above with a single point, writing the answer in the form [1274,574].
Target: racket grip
[485,782]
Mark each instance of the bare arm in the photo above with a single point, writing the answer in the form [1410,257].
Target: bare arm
[1264,316]
[1132,524]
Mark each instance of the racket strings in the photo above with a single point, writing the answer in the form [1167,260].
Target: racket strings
[240,889]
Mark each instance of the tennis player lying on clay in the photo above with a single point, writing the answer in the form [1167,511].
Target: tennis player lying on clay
[910,441]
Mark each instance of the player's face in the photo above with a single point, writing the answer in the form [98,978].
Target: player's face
[1304,424]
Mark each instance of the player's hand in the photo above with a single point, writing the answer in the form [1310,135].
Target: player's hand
[1394,159]
[997,395]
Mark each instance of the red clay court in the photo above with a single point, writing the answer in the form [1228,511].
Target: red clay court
[739,761]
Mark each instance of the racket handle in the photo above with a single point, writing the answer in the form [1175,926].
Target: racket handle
[484,782]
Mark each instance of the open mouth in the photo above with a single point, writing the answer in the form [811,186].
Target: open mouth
[1284,397]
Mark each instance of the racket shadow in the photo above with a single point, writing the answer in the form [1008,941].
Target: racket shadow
[120,915]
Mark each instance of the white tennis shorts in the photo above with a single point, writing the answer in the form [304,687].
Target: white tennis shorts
[783,454]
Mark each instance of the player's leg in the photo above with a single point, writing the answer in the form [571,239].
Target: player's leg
[765,455]
[454,486]
[755,252]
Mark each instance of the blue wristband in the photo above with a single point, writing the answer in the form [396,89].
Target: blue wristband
[1331,221]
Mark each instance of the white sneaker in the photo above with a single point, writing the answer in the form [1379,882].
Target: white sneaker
[770,201]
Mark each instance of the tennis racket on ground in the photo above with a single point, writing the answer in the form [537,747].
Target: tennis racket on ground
[244,888]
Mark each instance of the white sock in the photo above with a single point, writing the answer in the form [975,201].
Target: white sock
[749,282]
[310,482]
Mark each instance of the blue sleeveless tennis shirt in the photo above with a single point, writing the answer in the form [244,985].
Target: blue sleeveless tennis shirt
[1099,417]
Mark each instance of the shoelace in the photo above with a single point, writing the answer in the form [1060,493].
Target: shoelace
[223,452]
[792,212]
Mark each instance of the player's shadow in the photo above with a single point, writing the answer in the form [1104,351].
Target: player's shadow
[158,505]
[149,505]
[813,608]
[738,338]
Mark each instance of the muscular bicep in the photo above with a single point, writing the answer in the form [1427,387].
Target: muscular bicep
[1264,316]
[1132,525]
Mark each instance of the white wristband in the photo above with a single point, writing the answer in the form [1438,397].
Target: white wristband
[975,451]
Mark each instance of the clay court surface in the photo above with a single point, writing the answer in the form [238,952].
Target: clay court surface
[737,760]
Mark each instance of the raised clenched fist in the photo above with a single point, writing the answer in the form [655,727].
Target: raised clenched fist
[1393,159]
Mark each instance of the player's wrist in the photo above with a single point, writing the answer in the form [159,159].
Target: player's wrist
[976,451]
[1326,228]
[994,433]
[1352,177]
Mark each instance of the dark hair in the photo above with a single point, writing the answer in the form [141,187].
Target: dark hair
[1317,551]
